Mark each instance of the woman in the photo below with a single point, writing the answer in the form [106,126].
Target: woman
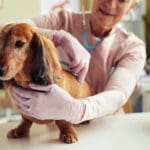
[111,49]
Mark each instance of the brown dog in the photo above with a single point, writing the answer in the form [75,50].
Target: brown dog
[27,56]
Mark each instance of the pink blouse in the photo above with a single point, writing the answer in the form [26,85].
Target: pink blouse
[115,64]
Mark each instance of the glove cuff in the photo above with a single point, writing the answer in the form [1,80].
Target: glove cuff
[77,110]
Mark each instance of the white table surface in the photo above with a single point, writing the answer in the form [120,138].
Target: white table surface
[120,132]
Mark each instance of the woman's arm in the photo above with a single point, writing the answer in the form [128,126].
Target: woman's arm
[48,24]
[121,84]
[60,105]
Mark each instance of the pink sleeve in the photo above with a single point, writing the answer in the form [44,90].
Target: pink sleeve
[52,20]
[49,24]
[120,85]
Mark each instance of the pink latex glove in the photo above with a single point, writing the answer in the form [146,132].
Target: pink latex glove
[48,102]
[78,55]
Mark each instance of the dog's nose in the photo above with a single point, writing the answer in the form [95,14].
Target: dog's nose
[2,70]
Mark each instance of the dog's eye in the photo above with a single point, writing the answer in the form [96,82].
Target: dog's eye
[19,44]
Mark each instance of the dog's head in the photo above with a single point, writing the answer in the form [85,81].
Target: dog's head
[25,55]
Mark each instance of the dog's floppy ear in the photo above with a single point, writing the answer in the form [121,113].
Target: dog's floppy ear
[39,71]
[1,84]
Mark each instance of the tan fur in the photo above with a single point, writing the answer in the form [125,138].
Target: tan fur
[19,62]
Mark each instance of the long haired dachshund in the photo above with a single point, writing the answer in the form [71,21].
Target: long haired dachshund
[27,56]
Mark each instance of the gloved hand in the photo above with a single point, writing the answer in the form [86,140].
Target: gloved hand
[78,55]
[48,102]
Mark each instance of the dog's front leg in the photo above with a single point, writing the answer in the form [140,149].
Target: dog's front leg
[22,130]
[67,132]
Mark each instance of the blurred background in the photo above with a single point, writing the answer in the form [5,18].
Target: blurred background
[138,22]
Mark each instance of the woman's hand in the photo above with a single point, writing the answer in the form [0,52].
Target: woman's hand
[48,102]
[78,55]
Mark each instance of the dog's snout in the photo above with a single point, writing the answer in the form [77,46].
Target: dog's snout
[2,71]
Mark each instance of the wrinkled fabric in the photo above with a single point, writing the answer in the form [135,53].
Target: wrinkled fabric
[75,52]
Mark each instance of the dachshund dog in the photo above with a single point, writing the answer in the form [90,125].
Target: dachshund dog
[26,56]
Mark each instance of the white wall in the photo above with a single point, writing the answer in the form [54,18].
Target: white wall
[18,10]
[46,5]
[15,10]
[135,23]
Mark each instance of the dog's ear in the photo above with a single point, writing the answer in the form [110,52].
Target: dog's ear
[39,73]
[1,84]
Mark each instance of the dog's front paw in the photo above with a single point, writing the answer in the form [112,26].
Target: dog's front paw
[70,137]
[16,133]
